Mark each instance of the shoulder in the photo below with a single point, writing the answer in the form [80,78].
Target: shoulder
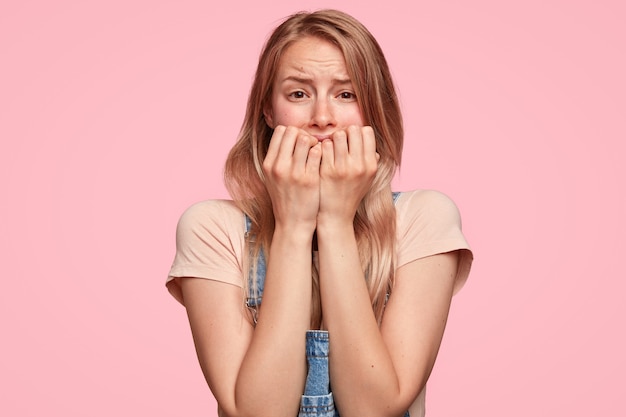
[209,244]
[221,214]
[211,208]
[216,224]
[427,207]
[429,223]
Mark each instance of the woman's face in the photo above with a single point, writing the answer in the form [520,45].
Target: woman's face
[312,90]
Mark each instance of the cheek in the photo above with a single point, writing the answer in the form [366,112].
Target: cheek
[282,118]
[288,116]
[356,118]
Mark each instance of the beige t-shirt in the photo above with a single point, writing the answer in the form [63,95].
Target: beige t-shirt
[210,242]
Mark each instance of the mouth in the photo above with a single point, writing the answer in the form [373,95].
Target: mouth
[322,138]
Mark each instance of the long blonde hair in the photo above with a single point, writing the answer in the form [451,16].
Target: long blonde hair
[375,220]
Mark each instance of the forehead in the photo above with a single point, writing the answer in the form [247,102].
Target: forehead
[312,56]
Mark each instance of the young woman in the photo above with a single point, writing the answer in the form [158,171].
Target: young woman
[318,291]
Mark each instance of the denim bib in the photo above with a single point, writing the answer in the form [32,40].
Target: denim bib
[317,399]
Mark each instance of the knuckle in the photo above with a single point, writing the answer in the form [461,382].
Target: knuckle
[371,170]
[360,171]
[279,171]
[291,130]
[340,134]
[315,151]
[302,139]
[279,132]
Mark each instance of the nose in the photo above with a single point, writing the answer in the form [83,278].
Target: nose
[323,115]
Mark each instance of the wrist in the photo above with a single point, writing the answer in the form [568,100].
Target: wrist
[294,234]
[334,226]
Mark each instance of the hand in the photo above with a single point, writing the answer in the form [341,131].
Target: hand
[292,172]
[349,164]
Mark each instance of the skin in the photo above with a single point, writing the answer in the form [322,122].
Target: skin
[320,163]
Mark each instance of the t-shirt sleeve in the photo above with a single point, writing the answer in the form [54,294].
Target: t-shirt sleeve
[209,245]
[429,223]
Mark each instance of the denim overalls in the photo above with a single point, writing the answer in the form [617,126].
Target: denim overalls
[317,399]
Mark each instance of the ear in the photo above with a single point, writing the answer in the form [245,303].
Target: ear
[269,119]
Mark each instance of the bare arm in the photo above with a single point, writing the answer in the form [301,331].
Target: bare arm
[380,372]
[374,371]
[253,370]
[261,371]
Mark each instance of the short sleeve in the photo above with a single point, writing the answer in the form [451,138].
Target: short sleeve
[209,244]
[429,223]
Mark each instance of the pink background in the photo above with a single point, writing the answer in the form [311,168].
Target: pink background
[117,115]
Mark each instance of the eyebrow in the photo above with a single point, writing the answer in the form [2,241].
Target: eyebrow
[304,80]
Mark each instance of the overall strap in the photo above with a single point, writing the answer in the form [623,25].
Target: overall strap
[256,278]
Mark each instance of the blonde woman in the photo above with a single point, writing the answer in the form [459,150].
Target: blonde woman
[318,291]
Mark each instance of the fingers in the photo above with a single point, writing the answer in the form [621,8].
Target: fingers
[355,142]
[288,151]
[328,153]
[370,155]
[274,147]
[313,161]
[303,146]
[354,146]
[341,150]
[292,177]
[369,140]
[292,151]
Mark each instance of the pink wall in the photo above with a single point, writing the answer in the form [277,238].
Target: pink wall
[115,117]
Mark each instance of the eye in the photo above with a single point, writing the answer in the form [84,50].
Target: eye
[347,95]
[297,95]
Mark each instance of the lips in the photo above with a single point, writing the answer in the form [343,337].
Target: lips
[322,138]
